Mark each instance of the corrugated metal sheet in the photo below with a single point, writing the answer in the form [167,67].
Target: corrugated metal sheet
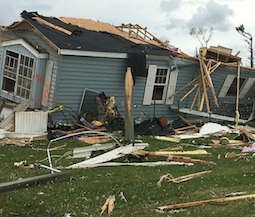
[31,122]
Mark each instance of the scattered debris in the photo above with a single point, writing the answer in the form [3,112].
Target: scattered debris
[167,138]
[144,164]
[94,139]
[199,203]
[162,178]
[235,194]
[113,154]
[122,197]
[250,148]
[86,151]
[108,203]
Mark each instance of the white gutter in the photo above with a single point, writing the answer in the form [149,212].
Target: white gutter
[25,45]
[92,53]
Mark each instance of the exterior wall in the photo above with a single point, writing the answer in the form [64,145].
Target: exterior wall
[39,68]
[74,74]
[227,103]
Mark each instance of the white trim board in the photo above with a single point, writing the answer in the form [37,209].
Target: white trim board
[92,53]
[25,45]
[213,116]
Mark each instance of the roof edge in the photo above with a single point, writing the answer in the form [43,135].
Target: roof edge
[26,45]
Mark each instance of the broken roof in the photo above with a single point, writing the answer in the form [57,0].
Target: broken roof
[73,37]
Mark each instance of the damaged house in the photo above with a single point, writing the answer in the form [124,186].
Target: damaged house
[54,61]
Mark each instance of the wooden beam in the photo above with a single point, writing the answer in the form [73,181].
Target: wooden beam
[129,122]
[7,186]
[199,203]
[204,87]
[189,92]
[237,94]
[207,74]
[42,21]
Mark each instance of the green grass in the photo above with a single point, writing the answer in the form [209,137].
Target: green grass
[87,191]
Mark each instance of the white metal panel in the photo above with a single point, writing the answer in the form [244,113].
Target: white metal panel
[31,122]
[149,84]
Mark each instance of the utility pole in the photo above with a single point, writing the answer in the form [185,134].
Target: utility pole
[248,39]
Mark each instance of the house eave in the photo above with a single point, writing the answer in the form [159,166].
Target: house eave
[26,45]
[92,53]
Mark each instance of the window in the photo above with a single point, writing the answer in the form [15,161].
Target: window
[230,85]
[160,84]
[233,87]
[18,73]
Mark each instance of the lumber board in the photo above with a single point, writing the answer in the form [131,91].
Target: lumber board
[7,186]
[129,121]
[166,138]
[204,87]
[207,74]
[94,139]
[188,177]
[144,164]
[42,21]
[237,94]
[110,155]
[210,201]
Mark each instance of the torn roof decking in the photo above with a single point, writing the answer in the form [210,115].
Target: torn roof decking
[86,40]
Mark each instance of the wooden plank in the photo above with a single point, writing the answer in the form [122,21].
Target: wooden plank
[110,155]
[237,94]
[188,177]
[143,164]
[167,153]
[207,74]
[210,201]
[167,138]
[94,139]
[7,186]
[195,98]
[42,21]
[189,92]
[204,87]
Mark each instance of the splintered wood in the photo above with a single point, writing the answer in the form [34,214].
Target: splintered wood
[108,203]
[199,203]
[201,85]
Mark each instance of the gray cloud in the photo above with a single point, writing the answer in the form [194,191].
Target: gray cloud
[212,15]
[169,5]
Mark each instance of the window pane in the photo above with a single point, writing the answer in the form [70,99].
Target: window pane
[233,87]
[158,93]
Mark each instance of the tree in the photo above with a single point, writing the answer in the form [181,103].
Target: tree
[203,35]
[248,39]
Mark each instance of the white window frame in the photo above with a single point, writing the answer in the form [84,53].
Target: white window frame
[169,86]
[19,76]
[243,89]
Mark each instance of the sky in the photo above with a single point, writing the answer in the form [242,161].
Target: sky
[169,20]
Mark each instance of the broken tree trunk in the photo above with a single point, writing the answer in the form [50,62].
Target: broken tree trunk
[129,123]
[199,203]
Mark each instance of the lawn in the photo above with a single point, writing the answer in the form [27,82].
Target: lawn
[86,192]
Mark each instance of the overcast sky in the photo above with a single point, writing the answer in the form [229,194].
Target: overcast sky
[167,19]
